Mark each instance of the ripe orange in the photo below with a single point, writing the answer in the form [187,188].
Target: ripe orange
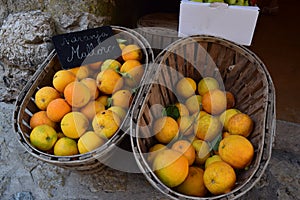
[186,87]
[165,129]
[194,103]
[212,159]
[106,123]
[183,111]
[92,108]
[89,141]
[132,71]
[214,102]
[202,151]
[132,52]
[43,137]
[185,124]
[121,112]
[230,100]
[74,124]
[77,94]
[65,147]
[44,95]
[236,150]
[91,84]
[121,98]
[206,84]
[226,115]
[57,109]
[154,150]
[193,185]
[110,64]
[207,127]
[80,72]
[95,66]
[40,118]
[109,81]
[103,99]
[171,167]
[219,178]
[184,147]
[62,78]
[240,124]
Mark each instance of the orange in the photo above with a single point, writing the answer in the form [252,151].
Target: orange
[121,112]
[132,52]
[111,64]
[132,71]
[40,118]
[219,178]
[89,141]
[240,124]
[121,98]
[62,78]
[106,123]
[226,115]
[193,185]
[43,137]
[207,127]
[95,66]
[184,147]
[109,81]
[92,108]
[154,150]
[77,94]
[236,150]
[212,159]
[206,84]
[202,151]
[57,109]
[74,124]
[92,86]
[230,100]
[185,124]
[194,103]
[165,129]
[80,72]
[183,111]
[214,102]
[103,99]
[44,95]
[186,87]
[171,167]
[65,147]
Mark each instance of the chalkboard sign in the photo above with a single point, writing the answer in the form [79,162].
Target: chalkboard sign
[85,47]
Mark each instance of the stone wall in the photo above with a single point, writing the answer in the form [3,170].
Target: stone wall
[26,28]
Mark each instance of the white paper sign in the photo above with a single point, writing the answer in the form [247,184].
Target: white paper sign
[235,23]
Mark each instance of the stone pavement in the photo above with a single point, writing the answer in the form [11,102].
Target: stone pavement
[24,177]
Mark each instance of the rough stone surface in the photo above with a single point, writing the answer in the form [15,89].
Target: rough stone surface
[25,38]
[12,80]
[3,10]
[74,15]
[22,175]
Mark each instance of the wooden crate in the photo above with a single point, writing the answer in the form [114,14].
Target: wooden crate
[242,73]
[25,107]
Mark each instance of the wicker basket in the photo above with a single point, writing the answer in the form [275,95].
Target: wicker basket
[25,107]
[243,74]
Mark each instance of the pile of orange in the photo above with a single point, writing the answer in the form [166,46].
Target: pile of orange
[203,141]
[85,106]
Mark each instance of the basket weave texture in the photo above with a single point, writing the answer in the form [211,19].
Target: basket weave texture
[25,107]
[242,73]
